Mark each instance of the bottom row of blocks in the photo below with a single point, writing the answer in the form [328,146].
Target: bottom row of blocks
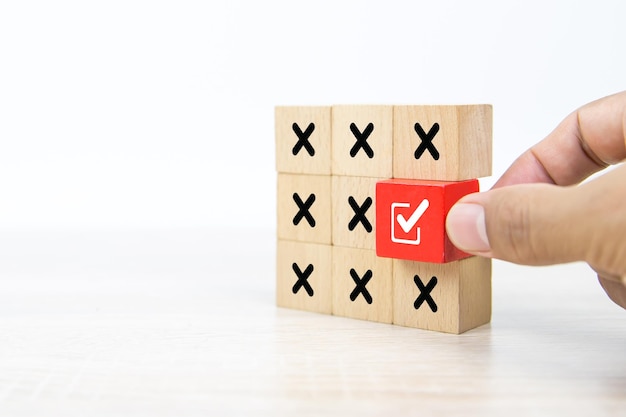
[452,297]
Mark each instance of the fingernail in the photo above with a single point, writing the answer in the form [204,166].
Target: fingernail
[466,227]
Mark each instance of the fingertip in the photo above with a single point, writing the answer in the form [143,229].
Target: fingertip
[466,228]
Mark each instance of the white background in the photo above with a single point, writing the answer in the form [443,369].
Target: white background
[155,114]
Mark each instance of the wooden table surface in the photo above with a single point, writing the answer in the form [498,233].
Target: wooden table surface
[183,323]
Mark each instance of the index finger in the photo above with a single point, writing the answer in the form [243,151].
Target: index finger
[588,140]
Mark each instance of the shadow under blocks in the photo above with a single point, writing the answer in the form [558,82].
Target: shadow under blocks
[363,194]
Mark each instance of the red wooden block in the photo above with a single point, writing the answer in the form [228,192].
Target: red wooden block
[411,219]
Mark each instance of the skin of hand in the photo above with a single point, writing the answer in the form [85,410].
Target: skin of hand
[538,213]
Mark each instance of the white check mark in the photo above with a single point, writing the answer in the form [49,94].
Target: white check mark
[407,225]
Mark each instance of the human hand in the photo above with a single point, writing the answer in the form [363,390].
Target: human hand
[537,214]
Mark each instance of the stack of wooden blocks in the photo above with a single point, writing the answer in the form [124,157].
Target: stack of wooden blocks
[363,192]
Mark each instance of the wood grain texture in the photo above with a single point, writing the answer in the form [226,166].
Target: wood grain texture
[319,139]
[474,293]
[463,142]
[375,302]
[292,261]
[360,189]
[294,192]
[374,124]
[461,297]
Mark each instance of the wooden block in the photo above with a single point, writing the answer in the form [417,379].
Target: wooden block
[304,208]
[447,143]
[452,298]
[303,139]
[303,276]
[411,218]
[354,212]
[362,141]
[362,285]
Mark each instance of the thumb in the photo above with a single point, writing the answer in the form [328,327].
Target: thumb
[533,224]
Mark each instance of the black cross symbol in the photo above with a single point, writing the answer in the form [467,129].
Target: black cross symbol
[303,209]
[427,141]
[359,214]
[360,285]
[302,279]
[303,139]
[425,293]
[361,140]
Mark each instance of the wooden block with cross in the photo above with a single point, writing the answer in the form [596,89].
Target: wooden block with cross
[452,297]
[304,207]
[362,285]
[362,141]
[446,143]
[354,211]
[303,276]
[303,139]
